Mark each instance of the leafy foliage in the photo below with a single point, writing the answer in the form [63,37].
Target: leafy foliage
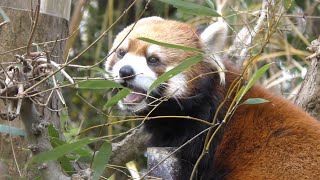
[98,84]
[120,95]
[257,75]
[186,64]
[255,101]
[192,8]
[61,150]
[101,159]
[174,46]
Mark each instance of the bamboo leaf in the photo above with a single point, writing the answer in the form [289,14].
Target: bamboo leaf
[82,152]
[101,159]
[210,3]
[186,64]
[66,165]
[52,131]
[98,84]
[120,95]
[168,45]
[252,81]
[59,151]
[192,8]
[255,101]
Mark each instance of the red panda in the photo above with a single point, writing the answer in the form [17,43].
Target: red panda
[273,140]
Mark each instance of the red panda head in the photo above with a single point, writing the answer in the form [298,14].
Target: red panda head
[136,64]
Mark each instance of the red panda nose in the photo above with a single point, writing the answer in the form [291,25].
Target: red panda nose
[126,72]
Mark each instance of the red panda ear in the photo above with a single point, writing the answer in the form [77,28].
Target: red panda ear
[151,18]
[213,39]
[214,36]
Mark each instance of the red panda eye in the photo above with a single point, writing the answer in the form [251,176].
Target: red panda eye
[121,53]
[152,60]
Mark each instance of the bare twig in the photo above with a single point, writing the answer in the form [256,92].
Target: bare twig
[5,17]
[24,47]
[20,90]
[35,23]
[63,72]
[245,38]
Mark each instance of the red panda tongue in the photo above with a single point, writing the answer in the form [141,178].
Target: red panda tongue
[133,98]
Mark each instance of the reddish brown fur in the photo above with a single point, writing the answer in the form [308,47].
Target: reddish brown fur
[274,140]
[170,32]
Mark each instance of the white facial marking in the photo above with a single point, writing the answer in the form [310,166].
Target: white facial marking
[176,84]
[124,45]
[134,108]
[152,49]
[144,75]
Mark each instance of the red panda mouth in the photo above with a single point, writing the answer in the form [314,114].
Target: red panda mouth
[136,96]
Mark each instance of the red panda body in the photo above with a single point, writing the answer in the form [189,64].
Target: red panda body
[273,140]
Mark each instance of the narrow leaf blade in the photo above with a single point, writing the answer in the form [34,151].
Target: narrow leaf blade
[120,95]
[52,131]
[252,81]
[186,64]
[98,84]
[66,165]
[174,46]
[101,159]
[59,151]
[255,101]
[192,8]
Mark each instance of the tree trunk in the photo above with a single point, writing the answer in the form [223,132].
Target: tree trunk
[15,35]
[308,97]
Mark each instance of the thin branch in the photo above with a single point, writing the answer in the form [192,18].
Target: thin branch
[24,47]
[19,104]
[81,53]
[5,17]
[35,23]
[245,38]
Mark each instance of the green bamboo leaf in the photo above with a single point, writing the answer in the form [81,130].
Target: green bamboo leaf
[101,159]
[55,141]
[255,101]
[120,95]
[257,75]
[52,131]
[192,8]
[66,165]
[98,84]
[59,151]
[168,45]
[186,64]
[82,152]
[210,3]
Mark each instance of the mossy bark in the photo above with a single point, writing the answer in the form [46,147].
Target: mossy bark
[14,35]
